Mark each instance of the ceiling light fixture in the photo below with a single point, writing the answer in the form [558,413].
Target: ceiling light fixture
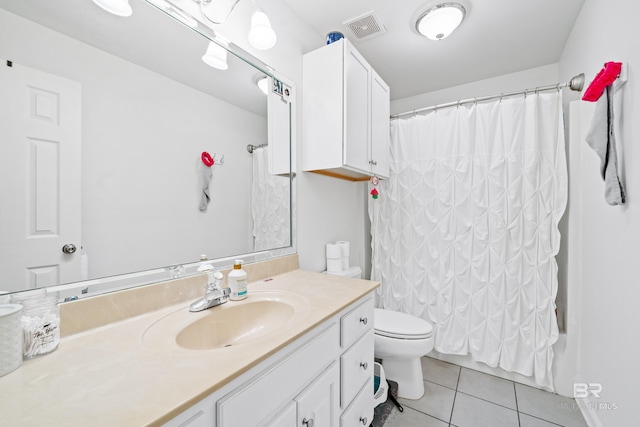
[117,7]
[441,20]
[216,55]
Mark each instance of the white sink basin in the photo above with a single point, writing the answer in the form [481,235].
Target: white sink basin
[233,323]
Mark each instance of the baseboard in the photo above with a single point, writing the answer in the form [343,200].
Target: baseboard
[589,409]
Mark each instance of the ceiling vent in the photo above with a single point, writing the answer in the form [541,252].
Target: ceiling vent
[366,26]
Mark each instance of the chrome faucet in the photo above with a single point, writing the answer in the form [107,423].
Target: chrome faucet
[214,294]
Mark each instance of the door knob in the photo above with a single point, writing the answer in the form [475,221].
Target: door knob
[308,422]
[69,248]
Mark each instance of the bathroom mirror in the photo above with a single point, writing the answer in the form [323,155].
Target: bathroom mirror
[140,106]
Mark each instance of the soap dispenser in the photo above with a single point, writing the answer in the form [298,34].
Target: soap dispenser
[237,280]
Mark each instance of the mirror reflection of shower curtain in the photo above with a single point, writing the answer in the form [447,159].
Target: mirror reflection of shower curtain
[269,205]
[465,231]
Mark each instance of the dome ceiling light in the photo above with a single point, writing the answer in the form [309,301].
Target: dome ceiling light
[441,20]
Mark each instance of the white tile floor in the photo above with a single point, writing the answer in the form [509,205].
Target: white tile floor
[461,397]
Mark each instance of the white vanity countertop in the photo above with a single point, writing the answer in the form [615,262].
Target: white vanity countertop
[108,376]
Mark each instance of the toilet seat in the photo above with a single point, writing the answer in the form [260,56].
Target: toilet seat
[394,324]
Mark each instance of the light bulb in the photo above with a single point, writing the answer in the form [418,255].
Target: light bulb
[216,56]
[261,35]
[263,84]
[117,7]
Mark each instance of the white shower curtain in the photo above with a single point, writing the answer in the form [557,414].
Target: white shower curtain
[465,231]
[270,196]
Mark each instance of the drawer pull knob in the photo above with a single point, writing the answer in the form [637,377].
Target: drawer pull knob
[363,320]
[364,365]
[363,420]
[309,422]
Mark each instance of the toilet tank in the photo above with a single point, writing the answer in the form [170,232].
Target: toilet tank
[353,272]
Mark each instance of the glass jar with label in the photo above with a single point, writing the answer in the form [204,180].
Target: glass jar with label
[40,321]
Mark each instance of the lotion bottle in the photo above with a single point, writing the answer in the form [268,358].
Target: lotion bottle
[237,280]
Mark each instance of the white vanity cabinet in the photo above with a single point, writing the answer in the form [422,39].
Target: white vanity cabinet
[346,108]
[324,378]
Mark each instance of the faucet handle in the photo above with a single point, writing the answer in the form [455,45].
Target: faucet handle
[214,281]
[226,291]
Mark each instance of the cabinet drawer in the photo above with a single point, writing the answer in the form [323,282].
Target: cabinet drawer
[356,368]
[271,390]
[355,323]
[360,412]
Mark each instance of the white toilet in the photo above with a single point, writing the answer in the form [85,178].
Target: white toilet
[400,341]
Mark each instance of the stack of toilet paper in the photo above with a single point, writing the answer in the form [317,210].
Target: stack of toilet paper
[337,256]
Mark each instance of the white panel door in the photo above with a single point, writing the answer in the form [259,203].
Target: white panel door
[356,121]
[39,178]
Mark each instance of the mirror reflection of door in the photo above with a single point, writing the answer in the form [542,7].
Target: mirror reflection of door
[40,178]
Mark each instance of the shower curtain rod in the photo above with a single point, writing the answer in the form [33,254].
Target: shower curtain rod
[252,147]
[576,83]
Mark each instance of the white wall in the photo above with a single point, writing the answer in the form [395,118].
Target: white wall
[141,156]
[606,30]
[541,76]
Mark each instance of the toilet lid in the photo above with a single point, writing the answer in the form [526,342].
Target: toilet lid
[394,324]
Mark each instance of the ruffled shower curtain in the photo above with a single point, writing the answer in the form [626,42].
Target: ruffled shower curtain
[465,231]
[270,205]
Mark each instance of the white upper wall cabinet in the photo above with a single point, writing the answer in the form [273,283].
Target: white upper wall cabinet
[346,108]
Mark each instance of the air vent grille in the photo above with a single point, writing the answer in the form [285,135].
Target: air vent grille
[366,26]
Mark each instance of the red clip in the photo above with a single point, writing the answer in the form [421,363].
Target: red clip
[207,159]
[604,78]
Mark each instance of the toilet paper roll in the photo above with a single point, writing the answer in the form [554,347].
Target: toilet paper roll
[334,265]
[344,246]
[334,251]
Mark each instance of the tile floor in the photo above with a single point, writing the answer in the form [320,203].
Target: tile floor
[461,397]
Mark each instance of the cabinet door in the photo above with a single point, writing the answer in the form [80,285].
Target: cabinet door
[357,110]
[380,111]
[286,418]
[318,403]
